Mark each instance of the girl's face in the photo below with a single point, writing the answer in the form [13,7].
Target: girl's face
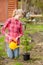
[18,16]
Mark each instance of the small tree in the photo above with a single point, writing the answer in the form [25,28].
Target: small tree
[27,46]
[26,42]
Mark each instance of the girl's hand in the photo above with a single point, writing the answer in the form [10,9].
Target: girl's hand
[18,37]
[15,39]
[7,35]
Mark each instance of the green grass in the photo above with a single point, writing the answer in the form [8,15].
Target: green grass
[18,63]
[2,46]
[32,28]
[2,39]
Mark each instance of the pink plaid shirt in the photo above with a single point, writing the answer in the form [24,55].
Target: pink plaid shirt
[13,27]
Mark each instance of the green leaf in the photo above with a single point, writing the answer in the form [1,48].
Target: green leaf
[18,63]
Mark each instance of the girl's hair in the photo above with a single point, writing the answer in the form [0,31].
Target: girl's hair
[18,11]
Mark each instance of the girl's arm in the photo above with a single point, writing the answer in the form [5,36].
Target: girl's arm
[5,26]
[20,31]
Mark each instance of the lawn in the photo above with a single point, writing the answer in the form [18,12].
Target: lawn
[2,46]
[32,28]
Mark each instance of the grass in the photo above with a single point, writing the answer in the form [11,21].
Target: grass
[2,46]
[32,28]
[2,39]
[18,63]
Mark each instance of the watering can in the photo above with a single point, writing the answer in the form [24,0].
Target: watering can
[13,45]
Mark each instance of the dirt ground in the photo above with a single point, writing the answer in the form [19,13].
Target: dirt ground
[36,54]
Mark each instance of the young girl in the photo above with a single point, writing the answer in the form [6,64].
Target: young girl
[14,30]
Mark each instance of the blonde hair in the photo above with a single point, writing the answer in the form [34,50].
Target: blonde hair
[17,11]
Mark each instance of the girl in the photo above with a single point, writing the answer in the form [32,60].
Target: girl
[14,30]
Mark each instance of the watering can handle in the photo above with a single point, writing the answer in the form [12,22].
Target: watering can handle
[14,40]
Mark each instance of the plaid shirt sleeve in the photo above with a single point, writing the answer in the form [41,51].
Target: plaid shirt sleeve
[21,29]
[5,26]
